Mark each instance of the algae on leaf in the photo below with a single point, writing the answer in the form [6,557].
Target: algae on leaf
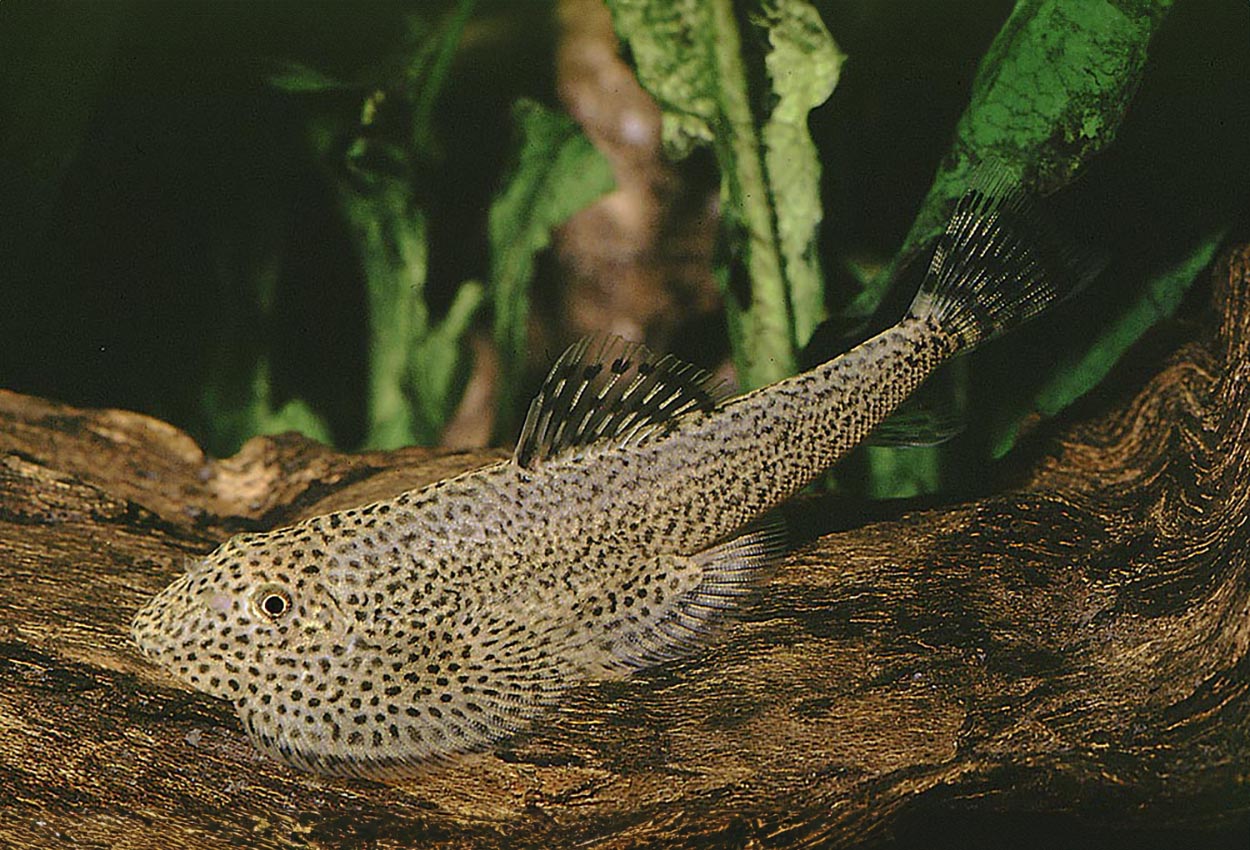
[798,40]
[697,59]
[673,47]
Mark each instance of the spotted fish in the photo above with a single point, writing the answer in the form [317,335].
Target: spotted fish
[633,513]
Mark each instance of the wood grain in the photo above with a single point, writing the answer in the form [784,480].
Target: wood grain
[1075,648]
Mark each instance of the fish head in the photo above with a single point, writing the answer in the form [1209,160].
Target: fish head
[337,665]
[254,610]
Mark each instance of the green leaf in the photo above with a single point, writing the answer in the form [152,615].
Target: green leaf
[1081,370]
[389,232]
[295,415]
[238,395]
[673,48]
[902,473]
[427,75]
[413,361]
[798,40]
[1049,94]
[558,172]
[242,415]
[690,56]
[438,366]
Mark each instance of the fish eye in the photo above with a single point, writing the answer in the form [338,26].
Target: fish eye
[272,601]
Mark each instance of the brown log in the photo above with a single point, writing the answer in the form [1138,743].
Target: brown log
[1076,648]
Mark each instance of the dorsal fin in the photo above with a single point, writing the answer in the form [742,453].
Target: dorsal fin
[607,388]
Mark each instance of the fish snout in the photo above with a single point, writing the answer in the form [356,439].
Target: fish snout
[157,626]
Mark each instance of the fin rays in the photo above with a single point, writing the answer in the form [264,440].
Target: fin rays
[731,570]
[998,264]
[607,388]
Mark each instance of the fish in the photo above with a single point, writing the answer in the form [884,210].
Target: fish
[636,513]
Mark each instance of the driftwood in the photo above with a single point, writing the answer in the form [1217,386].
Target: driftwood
[1071,653]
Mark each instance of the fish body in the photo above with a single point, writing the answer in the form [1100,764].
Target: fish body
[634,511]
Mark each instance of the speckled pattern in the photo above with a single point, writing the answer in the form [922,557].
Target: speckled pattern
[371,640]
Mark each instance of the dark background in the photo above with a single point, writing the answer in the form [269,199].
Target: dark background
[149,172]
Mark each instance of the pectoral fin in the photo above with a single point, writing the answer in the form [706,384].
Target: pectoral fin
[676,624]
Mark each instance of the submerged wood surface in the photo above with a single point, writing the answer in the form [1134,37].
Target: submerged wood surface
[1076,647]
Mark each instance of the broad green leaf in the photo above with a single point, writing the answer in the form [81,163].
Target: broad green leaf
[558,172]
[414,362]
[1080,371]
[673,45]
[690,56]
[1048,95]
[798,40]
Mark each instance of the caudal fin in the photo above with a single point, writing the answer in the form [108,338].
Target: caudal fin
[997,265]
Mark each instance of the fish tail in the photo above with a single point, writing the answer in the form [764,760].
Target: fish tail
[998,264]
